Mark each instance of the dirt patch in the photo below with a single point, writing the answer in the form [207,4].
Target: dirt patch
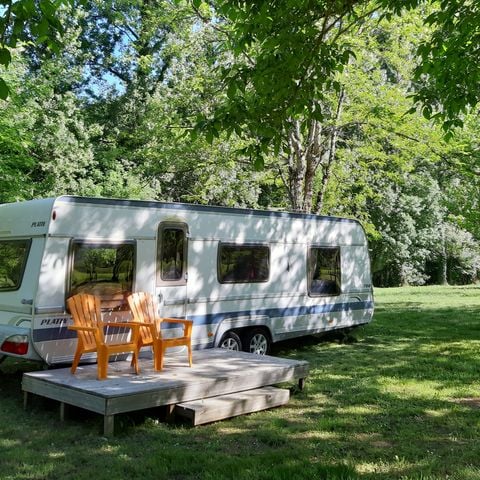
[473,402]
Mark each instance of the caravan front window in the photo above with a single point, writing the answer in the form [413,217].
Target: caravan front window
[13,257]
[324,271]
[104,270]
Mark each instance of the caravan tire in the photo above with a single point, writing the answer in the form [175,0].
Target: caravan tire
[257,341]
[231,341]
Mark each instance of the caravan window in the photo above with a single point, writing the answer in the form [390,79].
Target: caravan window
[324,271]
[172,253]
[13,257]
[243,263]
[104,270]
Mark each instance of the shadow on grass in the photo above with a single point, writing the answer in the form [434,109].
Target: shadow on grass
[379,404]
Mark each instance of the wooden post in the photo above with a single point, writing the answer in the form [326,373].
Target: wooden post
[62,411]
[108,425]
[301,383]
[25,400]
[170,413]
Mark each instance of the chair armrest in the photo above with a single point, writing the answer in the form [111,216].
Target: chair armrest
[124,324]
[187,324]
[134,326]
[177,320]
[85,329]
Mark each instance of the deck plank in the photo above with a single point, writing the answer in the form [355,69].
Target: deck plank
[212,409]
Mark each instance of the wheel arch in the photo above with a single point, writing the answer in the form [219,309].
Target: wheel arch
[239,324]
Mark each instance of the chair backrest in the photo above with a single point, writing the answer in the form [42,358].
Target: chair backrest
[86,312]
[144,309]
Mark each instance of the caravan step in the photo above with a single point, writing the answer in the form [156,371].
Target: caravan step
[212,409]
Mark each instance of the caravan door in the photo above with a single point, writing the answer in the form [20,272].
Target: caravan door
[172,275]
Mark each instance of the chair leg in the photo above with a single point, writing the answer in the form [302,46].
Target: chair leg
[102,363]
[162,358]
[158,353]
[135,362]
[140,345]
[76,360]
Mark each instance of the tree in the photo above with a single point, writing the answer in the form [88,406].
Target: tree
[28,21]
[15,140]
[127,44]
[397,175]
[368,94]
[45,140]
[447,76]
[288,53]
[293,43]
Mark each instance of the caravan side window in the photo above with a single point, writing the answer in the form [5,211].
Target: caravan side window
[103,269]
[13,257]
[243,263]
[324,271]
[172,253]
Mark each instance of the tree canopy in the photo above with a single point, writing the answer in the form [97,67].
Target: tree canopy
[288,53]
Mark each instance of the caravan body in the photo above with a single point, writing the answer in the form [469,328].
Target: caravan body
[243,276]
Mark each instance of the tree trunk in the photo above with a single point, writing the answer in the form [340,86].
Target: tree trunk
[330,155]
[303,161]
[296,167]
[443,258]
[308,151]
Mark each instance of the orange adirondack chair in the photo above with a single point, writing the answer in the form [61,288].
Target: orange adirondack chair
[88,324]
[145,310]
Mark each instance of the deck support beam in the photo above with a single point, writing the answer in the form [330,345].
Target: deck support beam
[108,425]
[62,411]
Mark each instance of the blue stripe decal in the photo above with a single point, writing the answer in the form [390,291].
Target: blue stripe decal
[214,318]
[62,333]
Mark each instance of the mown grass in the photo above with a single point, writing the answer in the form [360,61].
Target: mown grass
[396,401]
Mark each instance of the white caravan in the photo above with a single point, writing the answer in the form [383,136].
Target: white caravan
[246,278]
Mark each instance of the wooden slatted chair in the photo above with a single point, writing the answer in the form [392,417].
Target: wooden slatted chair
[145,310]
[87,318]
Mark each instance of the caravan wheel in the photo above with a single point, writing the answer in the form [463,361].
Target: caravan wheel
[231,341]
[257,341]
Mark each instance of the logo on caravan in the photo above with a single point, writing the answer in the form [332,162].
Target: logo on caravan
[37,224]
[53,321]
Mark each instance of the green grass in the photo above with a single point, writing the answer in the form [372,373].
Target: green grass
[388,405]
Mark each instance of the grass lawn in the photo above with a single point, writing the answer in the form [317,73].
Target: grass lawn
[396,402]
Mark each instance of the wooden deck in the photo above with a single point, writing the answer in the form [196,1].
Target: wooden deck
[214,372]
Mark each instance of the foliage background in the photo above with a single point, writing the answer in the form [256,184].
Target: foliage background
[154,99]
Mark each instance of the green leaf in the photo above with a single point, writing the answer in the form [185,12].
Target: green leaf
[47,8]
[42,28]
[18,27]
[259,163]
[231,90]
[4,90]
[29,7]
[209,136]
[5,57]
[427,112]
